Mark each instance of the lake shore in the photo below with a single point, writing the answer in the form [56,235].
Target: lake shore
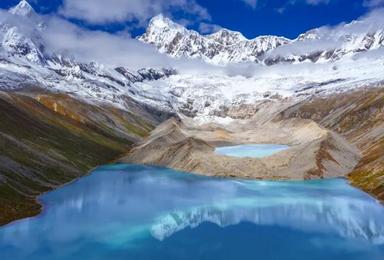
[314,152]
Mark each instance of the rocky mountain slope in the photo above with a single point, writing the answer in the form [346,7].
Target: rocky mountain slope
[355,116]
[59,117]
[358,116]
[25,62]
[314,152]
[225,46]
[50,139]
[212,94]
[321,62]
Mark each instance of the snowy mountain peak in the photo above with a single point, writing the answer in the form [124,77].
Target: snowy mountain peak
[27,61]
[222,47]
[227,37]
[22,9]
[161,22]
[324,44]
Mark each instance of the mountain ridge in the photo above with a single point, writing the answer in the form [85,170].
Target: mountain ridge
[226,46]
[210,45]
[23,8]
[24,62]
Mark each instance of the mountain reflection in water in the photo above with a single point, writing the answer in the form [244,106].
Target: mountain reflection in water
[135,211]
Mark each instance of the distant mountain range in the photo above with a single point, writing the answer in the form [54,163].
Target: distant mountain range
[25,62]
[225,46]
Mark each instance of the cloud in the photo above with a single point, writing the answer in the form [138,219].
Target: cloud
[307,2]
[60,36]
[317,2]
[207,28]
[288,4]
[251,3]
[63,37]
[118,11]
[373,3]
[331,38]
[254,3]
[118,49]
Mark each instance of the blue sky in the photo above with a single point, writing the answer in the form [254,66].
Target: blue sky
[251,17]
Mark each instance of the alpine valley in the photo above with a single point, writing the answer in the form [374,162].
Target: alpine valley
[62,115]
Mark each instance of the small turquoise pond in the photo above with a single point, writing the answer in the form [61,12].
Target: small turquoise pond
[251,150]
[140,212]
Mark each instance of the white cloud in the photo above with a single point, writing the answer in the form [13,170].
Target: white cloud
[373,3]
[254,3]
[330,38]
[308,2]
[115,11]
[119,49]
[63,37]
[251,3]
[317,2]
[207,28]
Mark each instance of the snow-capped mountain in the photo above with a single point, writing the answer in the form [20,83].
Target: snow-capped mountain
[17,41]
[207,95]
[225,46]
[24,62]
[222,47]
[23,9]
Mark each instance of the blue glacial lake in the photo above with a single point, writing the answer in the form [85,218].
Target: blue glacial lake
[141,212]
[251,150]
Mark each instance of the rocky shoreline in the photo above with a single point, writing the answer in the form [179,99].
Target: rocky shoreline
[317,154]
[329,137]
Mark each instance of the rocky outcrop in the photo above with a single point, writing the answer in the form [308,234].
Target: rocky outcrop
[173,145]
[49,139]
[326,135]
[358,116]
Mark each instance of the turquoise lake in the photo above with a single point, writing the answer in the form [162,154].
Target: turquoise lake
[140,212]
[251,150]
